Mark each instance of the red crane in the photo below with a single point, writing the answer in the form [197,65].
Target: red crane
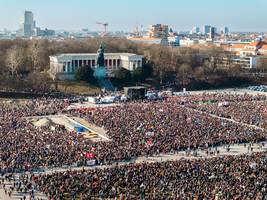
[105,24]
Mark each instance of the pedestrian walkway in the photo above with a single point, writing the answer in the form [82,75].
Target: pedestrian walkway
[225,150]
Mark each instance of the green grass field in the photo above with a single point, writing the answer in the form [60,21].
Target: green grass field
[77,88]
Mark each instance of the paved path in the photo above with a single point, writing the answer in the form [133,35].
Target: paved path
[234,150]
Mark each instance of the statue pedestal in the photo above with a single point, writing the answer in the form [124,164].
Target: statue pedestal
[100,72]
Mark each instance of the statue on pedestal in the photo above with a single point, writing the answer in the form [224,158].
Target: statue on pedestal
[100,71]
[100,56]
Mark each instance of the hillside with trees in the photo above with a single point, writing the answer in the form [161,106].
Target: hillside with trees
[24,63]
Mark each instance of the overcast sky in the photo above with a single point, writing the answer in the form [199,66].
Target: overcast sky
[239,15]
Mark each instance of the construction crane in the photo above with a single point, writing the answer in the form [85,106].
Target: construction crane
[105,25]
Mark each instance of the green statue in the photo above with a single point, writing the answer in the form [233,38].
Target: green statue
[100,71]
[100,56]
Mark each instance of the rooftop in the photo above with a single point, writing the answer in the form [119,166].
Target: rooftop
[144,39]
[254,44]
[264,47]
[238,46]
[92,54]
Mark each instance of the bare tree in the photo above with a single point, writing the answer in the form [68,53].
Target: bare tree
[185,71]
[38,54]
[199,72]
[262,64]
[15,56]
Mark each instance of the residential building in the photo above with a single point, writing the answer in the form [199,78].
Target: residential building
[249,62]
[245,62]
[63,66]
[148,40]
[158,31]
[188,42]
[263,50]
[173,41]
[247,54]
[248,49]
[38,32]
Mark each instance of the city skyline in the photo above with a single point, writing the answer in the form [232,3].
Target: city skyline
[180,15]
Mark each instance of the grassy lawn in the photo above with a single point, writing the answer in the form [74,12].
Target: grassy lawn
[77,87]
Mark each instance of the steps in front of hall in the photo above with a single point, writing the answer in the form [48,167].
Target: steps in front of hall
[106,84]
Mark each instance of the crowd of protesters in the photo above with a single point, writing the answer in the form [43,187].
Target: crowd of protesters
[19,186]
[134,128]
[215,97]
[148,128]
[24,146]
[249,112]
[242,177]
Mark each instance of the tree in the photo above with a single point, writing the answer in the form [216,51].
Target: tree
[147,69]
[262,64]
[199,72]
[185,71]
[123,75]
[85,73]
[15,56]
[39,82]
[141,73]
[161,57]
[138,74]
[38,55]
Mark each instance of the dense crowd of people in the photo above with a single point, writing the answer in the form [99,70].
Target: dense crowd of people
[242,177]
[134,128]
[218,97]
[249,112]
[25,146]
[141,128]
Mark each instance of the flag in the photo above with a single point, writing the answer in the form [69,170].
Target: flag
[89,155]
[149,142]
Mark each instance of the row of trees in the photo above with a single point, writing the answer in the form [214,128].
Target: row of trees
[20,59]
[121,76]
[139,75]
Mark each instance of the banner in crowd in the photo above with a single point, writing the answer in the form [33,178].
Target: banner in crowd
[89,155]
[91,162]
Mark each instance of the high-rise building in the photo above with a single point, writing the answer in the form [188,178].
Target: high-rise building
[34,24]
[27,24]
[195,30]
[212,32]
[206,29]
[226,30]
